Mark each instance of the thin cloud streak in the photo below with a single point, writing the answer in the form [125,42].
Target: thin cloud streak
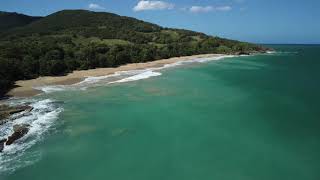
[153,5]
[95,6]
[205,9]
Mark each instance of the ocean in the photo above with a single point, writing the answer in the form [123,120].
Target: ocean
[236,118]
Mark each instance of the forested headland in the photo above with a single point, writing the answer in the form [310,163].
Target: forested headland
[78,39]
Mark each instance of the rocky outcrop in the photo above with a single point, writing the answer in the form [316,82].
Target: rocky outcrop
[10,113]
[7,111]
[243,53]
[2,144]
[19,132]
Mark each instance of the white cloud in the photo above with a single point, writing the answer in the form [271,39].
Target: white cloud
[95,6]
[198,9]
[152,5]
[203,9]
[223,8]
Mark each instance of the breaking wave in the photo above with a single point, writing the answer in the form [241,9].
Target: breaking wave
[144,75]
[40,119]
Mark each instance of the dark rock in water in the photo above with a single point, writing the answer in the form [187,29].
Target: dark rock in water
[243,53]
[7,111]
[2,144]
[26,113]
[19,109]
[19,132]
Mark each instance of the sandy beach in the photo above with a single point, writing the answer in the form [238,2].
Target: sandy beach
[25,87]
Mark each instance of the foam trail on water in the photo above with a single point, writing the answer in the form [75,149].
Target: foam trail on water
[91,80]
[140,76]
[49,89]
[281,52]
[271,52]
[196,60]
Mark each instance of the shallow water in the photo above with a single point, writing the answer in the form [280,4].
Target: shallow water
[238,118]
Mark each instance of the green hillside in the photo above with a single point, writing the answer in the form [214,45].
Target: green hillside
[78,39]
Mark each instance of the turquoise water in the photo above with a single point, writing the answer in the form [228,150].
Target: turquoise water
[241,118]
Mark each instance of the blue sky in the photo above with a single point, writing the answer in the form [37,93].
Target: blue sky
[260,21]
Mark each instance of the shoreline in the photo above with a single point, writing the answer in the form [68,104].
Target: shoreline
[25,88]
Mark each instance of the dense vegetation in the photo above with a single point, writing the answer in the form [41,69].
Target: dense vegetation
[12,20]
[77,39]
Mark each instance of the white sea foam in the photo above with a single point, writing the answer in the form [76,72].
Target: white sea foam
[271,52]
[281,52]
[93,79]
[124,76]
[40,119]
[49,89]
[143,75]
[58,88]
